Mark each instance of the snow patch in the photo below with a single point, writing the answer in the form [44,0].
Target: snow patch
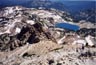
[90,40]
[83,42]
[18,30]
[30,22]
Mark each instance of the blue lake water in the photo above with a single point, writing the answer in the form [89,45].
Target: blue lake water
[67,26]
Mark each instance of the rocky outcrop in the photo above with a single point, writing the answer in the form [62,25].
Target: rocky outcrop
[29,34]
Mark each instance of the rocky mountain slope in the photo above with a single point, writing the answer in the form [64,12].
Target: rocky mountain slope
[79,9]
[28,36]
[33,4]
[88,15]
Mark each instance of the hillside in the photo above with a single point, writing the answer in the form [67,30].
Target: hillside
[28,36]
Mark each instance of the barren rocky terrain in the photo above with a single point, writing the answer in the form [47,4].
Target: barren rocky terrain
[28,37]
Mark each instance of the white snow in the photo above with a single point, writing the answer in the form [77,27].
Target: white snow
[10,10]
[61,40]
[10,26]
[30,22]
[48,14]
[79,42]
[18,30]
[18,8]
[89,40]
